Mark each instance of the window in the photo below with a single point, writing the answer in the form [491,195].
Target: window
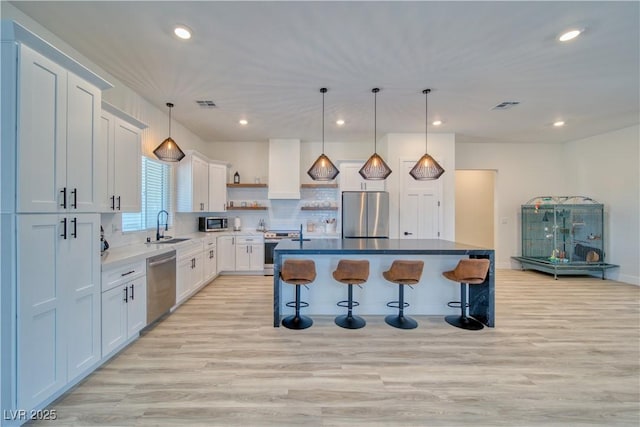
[156,195]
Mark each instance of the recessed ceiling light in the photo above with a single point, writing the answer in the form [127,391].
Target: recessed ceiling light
[569,35]
[243,122]
[437,122]
[340,122]
[558,124]
[182,32]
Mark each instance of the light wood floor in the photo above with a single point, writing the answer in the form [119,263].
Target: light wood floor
[563,352]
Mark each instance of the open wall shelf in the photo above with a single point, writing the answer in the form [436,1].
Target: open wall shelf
[246,185]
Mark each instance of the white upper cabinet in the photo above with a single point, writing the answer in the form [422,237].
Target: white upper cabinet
[351,180]
[217,187]
[193,184]
[120,145]
[284,169]
[57,124]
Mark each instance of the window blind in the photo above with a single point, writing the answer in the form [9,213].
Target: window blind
[156,195]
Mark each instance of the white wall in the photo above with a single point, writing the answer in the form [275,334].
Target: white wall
[607,168]
[523,171]
[475,206]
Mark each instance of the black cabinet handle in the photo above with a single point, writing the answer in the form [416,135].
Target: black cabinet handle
[74,205]
[64,198]
[75,228]
[126,294]
[406,233]
[119,203]
[131,292]
[128,273]
[113,203]
[64,228]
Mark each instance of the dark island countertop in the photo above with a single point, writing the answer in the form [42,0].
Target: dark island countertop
[379,246]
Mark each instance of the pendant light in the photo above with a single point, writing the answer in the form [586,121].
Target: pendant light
[427,168]
[323,169]
[375,168]
[169,150]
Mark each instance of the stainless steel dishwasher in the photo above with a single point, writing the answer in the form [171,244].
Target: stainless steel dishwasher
[161,285]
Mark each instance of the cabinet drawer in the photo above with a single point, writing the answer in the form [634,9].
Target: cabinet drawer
[111,278]
[189,250]
[248,240]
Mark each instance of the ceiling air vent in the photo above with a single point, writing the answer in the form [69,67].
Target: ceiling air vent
[206,104]
[505,105]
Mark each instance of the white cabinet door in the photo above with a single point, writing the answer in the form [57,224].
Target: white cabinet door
[226,253]
[58,121]
[42,132]
[127,165]
[193,185]
[114,318]
[120,178]
[256,254]
[41,337]
[243,258]
[200,185]
[80,273]
[184,267]
[197,274]
[136,305]
[83,121]
[217,187]
[210,259]
[351,180]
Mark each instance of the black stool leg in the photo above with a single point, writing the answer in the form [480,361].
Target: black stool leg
[401,321]
[463,321]
[349,321]
[297,321]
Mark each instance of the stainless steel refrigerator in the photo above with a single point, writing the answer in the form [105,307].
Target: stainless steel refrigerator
[365,214]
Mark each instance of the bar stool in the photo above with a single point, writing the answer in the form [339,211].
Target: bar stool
[297,272]
[351,272]
[402,273]
[467,272]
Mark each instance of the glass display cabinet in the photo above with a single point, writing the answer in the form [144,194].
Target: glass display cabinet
[563,235]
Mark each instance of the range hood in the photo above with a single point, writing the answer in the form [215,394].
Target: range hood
[284,169]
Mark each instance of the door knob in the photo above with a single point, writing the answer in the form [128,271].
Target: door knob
[406,233]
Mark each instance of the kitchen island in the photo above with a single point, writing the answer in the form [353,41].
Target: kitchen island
[429,297]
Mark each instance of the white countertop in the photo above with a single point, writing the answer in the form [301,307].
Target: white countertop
[116,257]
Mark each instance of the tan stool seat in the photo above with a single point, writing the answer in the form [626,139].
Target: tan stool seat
[470,271]
[467,272]
[402,272]
[351,272]
[298,271]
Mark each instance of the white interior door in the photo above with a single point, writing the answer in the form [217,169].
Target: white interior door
[419,206]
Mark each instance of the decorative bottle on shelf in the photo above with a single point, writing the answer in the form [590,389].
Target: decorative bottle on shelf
[236,178]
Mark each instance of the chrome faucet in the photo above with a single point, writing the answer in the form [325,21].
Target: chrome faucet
[166,225]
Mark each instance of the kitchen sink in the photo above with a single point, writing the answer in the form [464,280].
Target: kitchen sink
[176,240]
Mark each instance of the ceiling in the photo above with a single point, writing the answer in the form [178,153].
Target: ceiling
[266,61]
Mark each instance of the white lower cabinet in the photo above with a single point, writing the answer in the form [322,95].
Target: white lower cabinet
[226,253]
[249,254]
[210,258]
[240,253]
[124,305]
[189,270]
[58,294]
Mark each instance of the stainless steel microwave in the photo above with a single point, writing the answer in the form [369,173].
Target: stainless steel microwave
[212,223]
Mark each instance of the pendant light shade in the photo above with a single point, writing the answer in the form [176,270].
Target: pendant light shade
[169,150]
[427,168]
[375,168]
[323,169]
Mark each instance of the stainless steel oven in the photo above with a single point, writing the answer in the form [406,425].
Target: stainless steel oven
[271,239]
